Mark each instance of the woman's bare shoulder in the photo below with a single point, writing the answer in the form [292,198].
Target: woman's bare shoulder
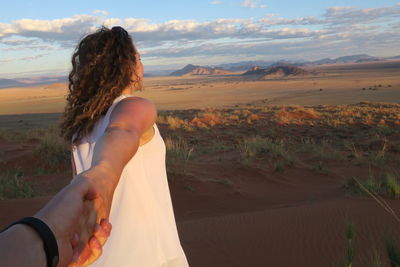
[135,100]
[134,111]
[135,103]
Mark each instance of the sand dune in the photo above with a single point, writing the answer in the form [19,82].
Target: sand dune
[311,234]
[306,235]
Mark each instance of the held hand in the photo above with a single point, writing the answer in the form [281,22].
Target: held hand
[62,215]
[87,245]
[93,228]
[101,183]
[93,248]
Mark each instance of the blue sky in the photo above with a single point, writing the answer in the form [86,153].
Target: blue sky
[38,37]
[162,10]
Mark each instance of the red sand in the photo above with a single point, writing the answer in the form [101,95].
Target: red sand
[265,222]
[307,234]
[259,218]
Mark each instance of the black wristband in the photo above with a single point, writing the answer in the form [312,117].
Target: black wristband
[45,233]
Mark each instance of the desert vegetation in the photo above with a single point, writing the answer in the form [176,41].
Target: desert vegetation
[345,152]
[391,250]
[267,138]
[29,158]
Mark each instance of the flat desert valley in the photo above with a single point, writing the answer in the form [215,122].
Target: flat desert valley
[296,171]
[340,84]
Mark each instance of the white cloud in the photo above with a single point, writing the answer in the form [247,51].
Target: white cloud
[351,15]
[7,60]
[373,29]
[216,2]
[250,3]
[274,20]
[100,12]
[64,31]
[23,43]
[112,22]
[29,58]
[67,31]
[253,4]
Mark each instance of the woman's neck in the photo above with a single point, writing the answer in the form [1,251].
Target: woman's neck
[126,91]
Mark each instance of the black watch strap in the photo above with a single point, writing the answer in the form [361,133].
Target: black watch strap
[49,240]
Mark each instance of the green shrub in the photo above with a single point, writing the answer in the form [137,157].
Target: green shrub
[52,148]
[354,186]
[251,147]
[13,186]
[392,185]
[393,252]
[376,260]
[349,253]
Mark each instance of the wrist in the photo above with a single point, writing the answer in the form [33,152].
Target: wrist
[38,247]
[23,240]
[103,181]
[103,173]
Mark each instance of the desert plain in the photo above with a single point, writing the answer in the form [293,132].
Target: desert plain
[297,171]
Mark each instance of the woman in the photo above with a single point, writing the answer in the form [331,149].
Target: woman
[116,131]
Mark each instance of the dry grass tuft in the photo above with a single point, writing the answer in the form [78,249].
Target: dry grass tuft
[179,153]
[287,115]
[51,148]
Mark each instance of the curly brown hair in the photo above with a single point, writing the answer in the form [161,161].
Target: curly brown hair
[103,65]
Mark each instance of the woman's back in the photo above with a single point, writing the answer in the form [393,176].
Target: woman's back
[144,229]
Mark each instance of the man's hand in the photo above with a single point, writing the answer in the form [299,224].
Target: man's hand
[63,213]
[93,248]
[100,179]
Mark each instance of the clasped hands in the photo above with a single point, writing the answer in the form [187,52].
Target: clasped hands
[78,216]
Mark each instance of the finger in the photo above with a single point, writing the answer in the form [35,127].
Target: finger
[85,187]
[83,256]
[100,235]
[102,210]
[92,193]
[75,240]
[75,257]
[96,250]
[92,215]
[80,257]
[107,226]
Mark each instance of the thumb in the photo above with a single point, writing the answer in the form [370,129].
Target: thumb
[86,188]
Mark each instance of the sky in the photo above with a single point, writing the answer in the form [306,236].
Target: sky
[37,38]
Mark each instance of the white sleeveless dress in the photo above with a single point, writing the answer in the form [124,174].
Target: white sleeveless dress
[144,231]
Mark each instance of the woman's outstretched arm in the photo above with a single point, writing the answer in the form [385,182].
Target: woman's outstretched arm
[130,122]
[131,119]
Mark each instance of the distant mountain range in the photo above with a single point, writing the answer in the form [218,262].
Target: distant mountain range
[228,68]
[275,72]
[346,59]
[5,83]
[25,82]
[199,70]
[221,69]
[246,65]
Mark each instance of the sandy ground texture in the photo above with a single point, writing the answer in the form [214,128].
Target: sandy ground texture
[299,233]
[286,205]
